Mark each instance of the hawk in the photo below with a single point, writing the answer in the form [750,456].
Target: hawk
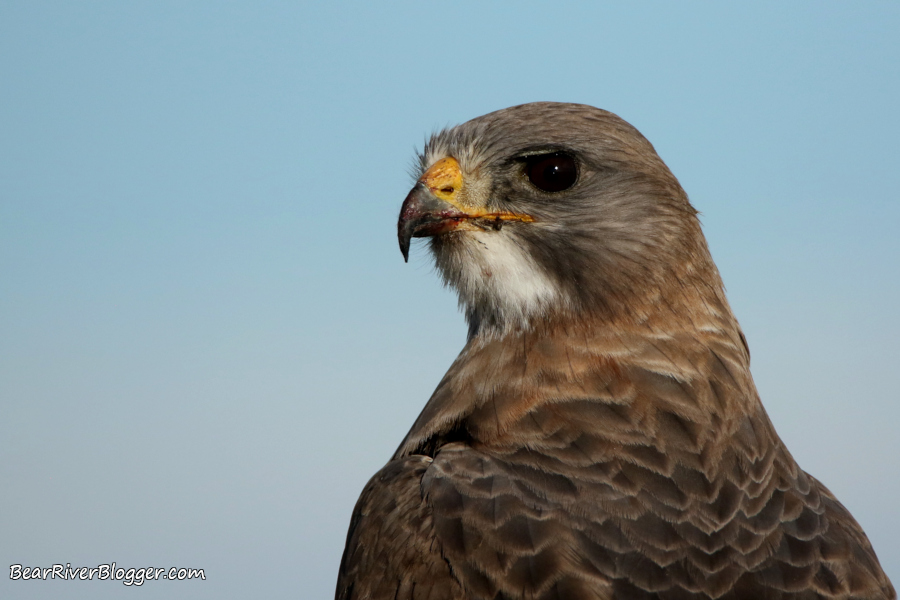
[600,435]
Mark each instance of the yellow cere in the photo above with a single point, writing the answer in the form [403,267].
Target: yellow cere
[444,179]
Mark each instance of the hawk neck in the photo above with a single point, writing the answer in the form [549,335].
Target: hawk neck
[693,371]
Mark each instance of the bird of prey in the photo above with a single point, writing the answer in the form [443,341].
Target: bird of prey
[599,436]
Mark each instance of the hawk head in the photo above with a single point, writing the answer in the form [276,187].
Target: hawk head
[551,211]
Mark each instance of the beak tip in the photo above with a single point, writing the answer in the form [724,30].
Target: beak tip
[404,240]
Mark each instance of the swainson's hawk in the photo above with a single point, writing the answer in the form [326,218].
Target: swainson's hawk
[600,435]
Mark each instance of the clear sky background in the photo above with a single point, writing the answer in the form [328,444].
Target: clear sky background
[209,340]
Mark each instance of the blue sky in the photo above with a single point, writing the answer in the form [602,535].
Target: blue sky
[208,337]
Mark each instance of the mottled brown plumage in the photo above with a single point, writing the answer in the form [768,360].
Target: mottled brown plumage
[600,435]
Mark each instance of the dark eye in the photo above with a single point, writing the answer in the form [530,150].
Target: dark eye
[551,172]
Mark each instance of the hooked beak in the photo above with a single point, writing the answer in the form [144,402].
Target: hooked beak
[432,208]
[424,215]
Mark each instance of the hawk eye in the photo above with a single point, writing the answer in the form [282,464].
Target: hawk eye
[551,172]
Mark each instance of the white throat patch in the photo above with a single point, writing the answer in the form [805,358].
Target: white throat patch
[499,283]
